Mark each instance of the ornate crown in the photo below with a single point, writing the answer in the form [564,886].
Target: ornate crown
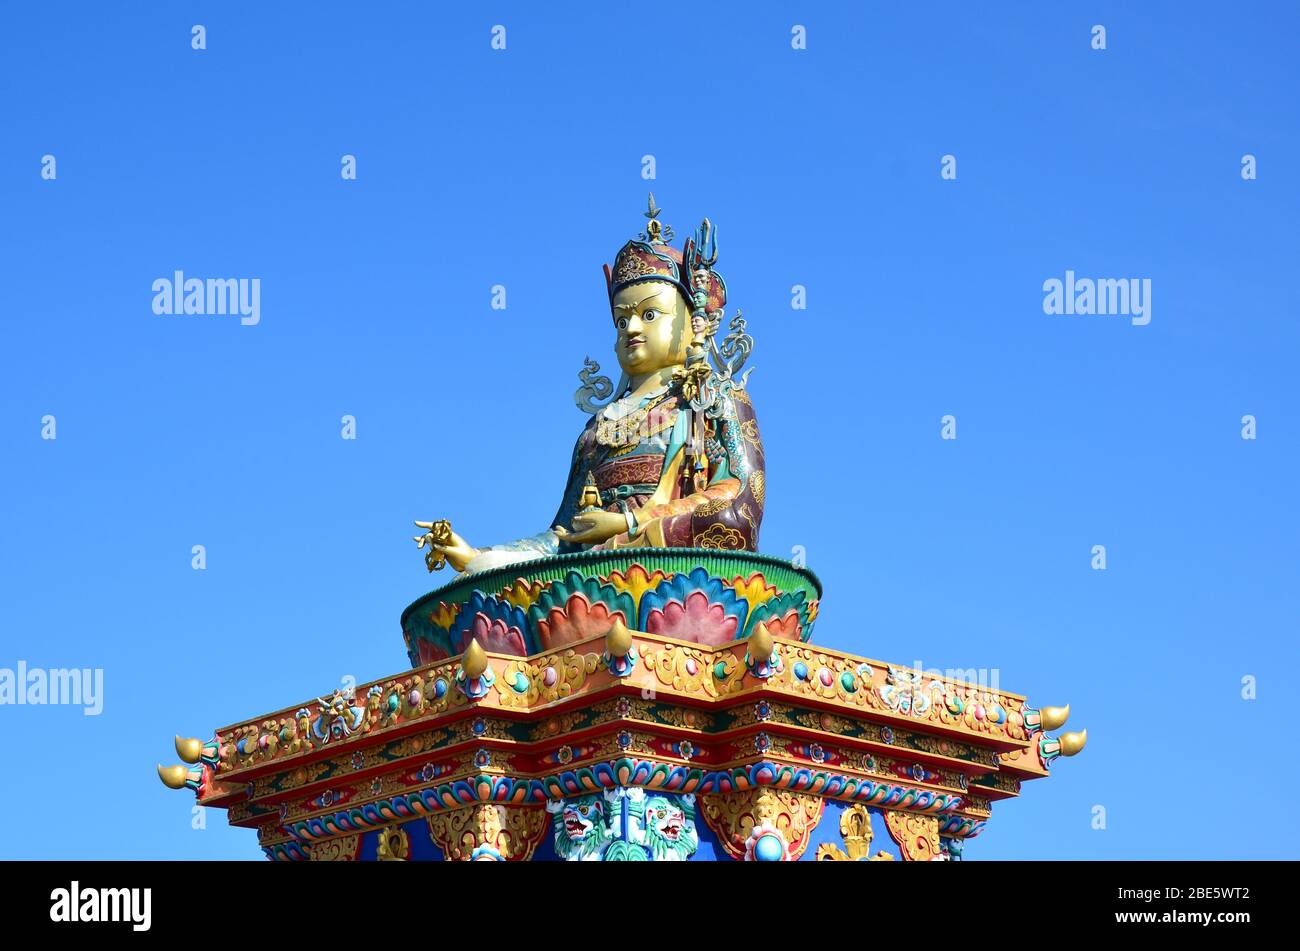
[649,257]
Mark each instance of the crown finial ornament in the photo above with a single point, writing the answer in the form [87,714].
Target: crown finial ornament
[656,232]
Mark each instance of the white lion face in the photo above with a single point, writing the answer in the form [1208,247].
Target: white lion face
[580,818]
[668,820]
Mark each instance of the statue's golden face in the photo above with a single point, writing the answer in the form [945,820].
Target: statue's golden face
[653,326]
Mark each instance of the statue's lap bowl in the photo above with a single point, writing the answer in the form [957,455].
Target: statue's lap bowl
[691,594]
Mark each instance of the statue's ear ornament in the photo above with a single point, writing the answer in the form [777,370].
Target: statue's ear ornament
[595,388]
[735,350]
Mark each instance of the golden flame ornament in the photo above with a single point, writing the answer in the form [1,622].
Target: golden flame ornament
[1053,718]
[760,643]
[618,640]
[475,661]
[190,750]
[173,777]
[1072,743]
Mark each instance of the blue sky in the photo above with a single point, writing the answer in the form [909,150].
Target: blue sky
[522,167]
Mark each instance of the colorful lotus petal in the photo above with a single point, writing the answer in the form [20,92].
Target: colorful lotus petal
[499,626]
[521,593]
[428,652]
[525,611]
[444,615]
[636,581]
[426,640]
[576,608]
[694,607]
[577,620]
[755,589]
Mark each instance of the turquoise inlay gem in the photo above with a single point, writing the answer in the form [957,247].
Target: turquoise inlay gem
[769,849]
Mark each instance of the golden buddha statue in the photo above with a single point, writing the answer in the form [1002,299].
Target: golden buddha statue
[675,458]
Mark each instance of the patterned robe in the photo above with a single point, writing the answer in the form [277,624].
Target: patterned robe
[643,459]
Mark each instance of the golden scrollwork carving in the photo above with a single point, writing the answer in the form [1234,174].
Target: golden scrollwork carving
[549,680]
[734,816]
[829,677]
[855,829]
[488,832]
[343,848]
[917,836]
[695,670]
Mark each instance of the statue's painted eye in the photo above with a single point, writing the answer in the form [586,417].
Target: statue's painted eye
[650,315]
[621,323]
[662,813]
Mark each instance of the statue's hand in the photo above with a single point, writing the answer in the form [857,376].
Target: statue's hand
[591,528]
[444,545]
